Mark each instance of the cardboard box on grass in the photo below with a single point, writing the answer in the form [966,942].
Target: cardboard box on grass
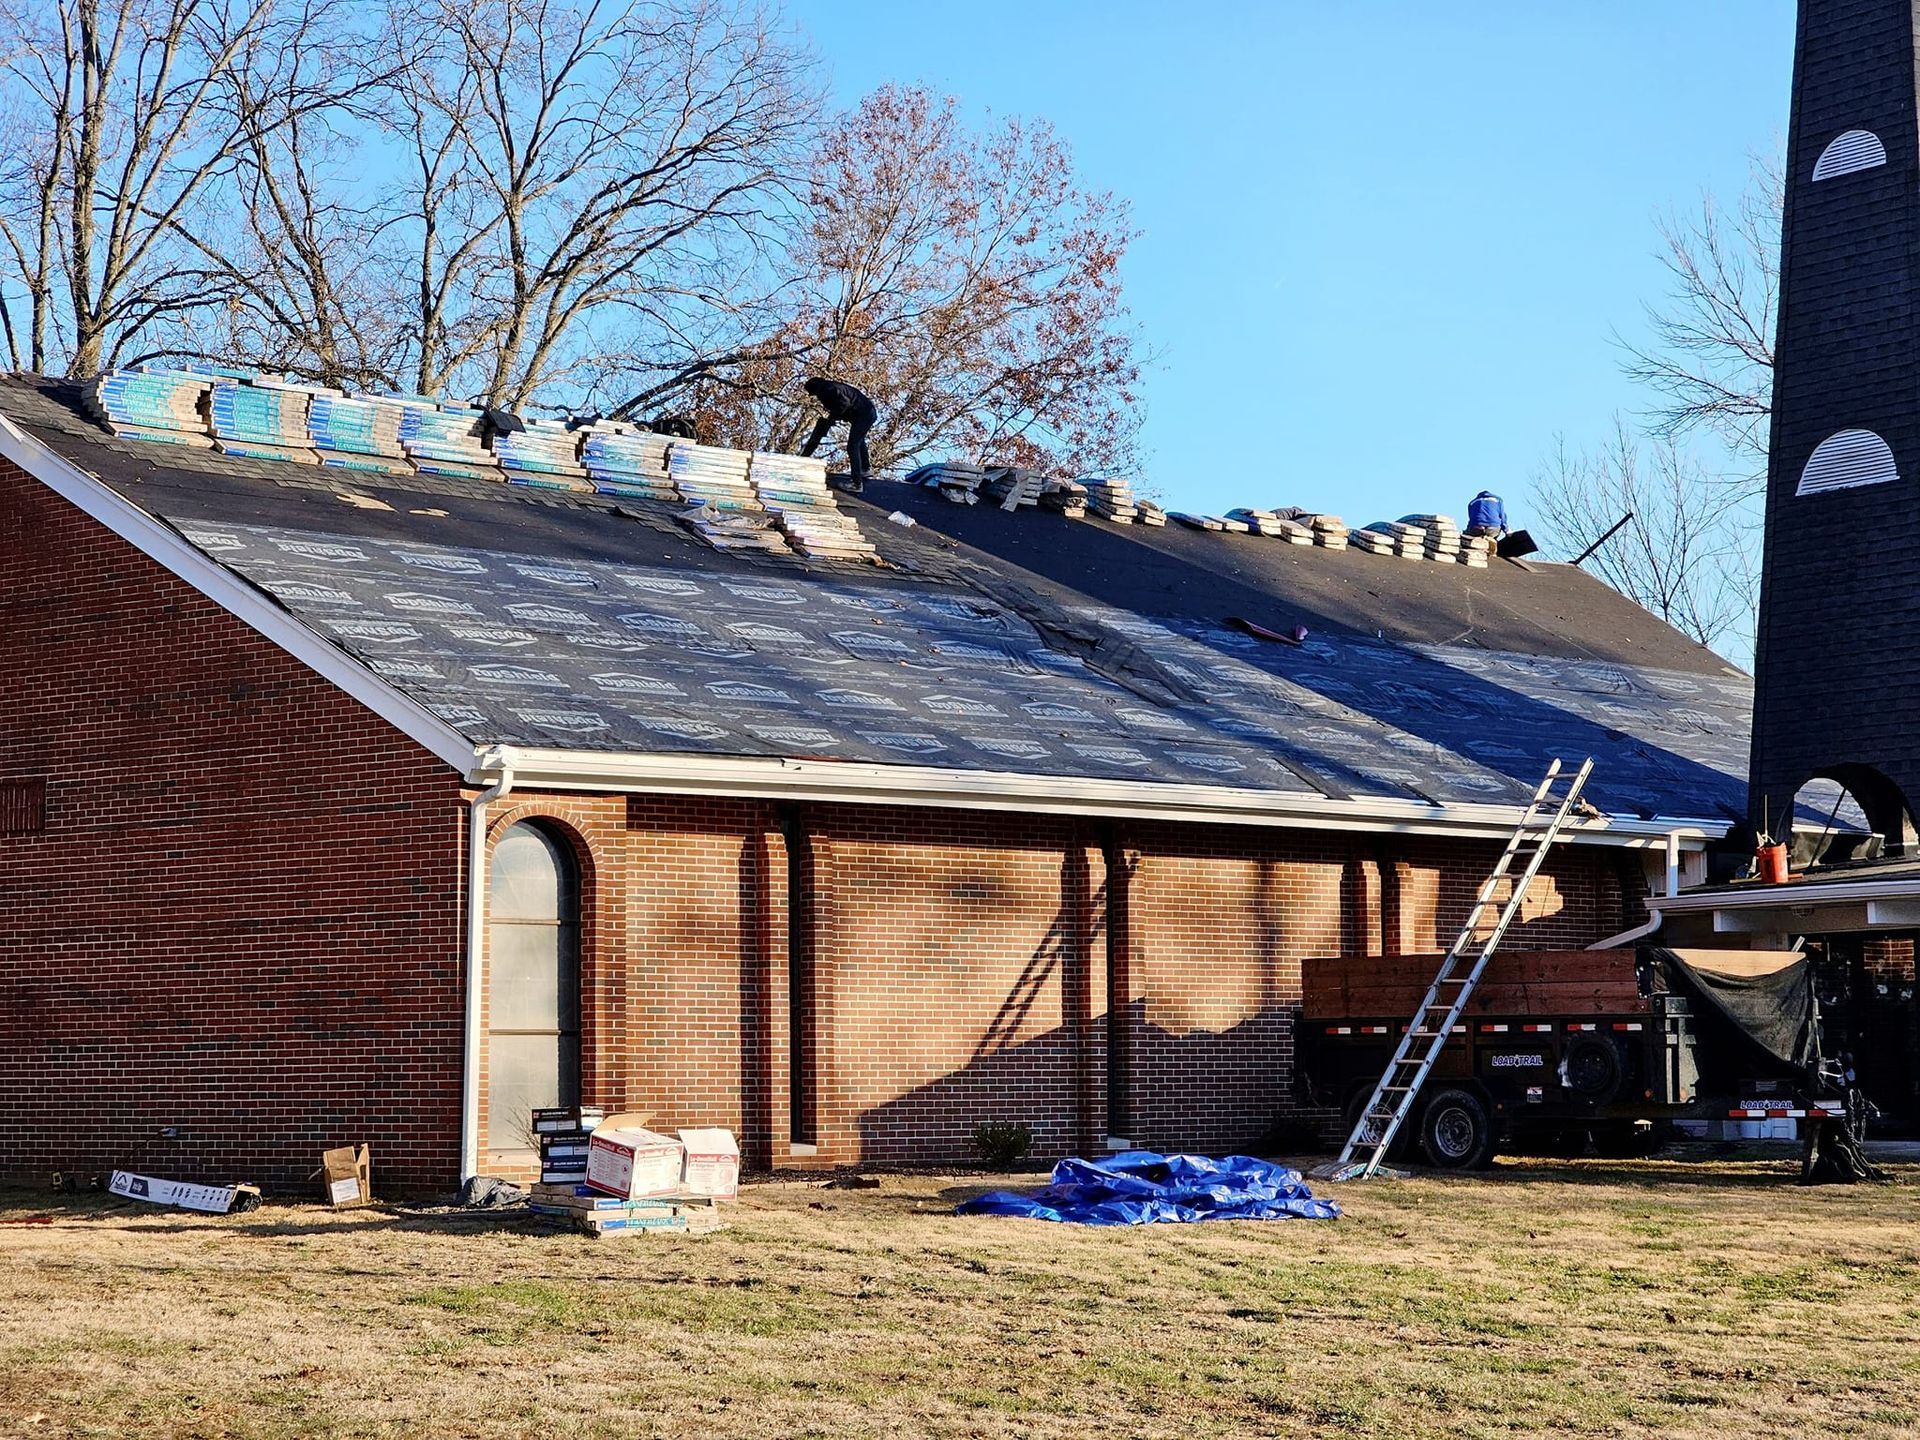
[712,1167]
[346,1174]
[627,1159]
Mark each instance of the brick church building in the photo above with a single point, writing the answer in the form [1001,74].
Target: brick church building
[342,806]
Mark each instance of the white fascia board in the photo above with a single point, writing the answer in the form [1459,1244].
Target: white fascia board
[163,544]
[1799,898]
[774,778]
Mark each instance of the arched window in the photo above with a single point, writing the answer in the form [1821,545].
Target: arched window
[1849,812]
[533,982]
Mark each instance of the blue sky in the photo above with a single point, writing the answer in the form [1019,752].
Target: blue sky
[1385,244]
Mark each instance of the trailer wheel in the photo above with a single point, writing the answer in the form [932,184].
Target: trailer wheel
[1455,1131]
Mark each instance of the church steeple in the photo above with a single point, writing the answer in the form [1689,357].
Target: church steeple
[1837,660]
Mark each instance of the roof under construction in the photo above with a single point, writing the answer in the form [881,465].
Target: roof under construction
[1025,642]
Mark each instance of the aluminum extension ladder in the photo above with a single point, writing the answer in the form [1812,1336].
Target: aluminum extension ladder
[1426,1034]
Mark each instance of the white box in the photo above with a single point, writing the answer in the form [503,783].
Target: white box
[628,1160]
[712,1165]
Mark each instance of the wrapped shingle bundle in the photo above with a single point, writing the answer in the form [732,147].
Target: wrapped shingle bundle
[545,454]
[793,490]
[622,459]
[709,475]
[261,420]
[445,439]
[360,433]
[1114,500]
[152,404]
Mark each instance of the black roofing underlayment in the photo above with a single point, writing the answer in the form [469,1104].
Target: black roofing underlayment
[1023,642]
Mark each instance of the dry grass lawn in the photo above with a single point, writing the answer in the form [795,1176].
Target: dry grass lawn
[1563,1298]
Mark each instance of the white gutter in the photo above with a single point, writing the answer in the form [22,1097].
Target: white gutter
[476,960]
[1798,895]
[775,778]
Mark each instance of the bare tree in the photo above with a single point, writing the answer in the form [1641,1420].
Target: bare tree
[965,281]
[131,119]
[1710,356]
[580,176]
[1685,553]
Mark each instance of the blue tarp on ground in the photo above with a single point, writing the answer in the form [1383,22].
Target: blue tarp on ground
[1140,1187]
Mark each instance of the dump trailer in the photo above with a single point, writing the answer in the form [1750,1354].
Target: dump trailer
[1561,1048]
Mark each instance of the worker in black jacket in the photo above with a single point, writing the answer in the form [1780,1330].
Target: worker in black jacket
[842,402]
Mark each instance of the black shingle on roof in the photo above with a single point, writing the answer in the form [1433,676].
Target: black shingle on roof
[1021,642]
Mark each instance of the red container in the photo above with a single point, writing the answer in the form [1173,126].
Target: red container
[1771,862]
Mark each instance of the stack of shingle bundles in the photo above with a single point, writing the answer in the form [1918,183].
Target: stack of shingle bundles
[445,439]
[709,475]
[1329,531]
[152,404]
[1295,532]
[607,1215]
[955,481]
[1260,522]
[1476,550]
[1411,538]
[1231,525]
[1149,512]
[1375,539]
[1114,500]
[793,488]
[357,434]
[1442,536]
[1069,497]
[263,419]
[564,1133]
[623,459]
[1196,522]
[735,529]
[1014,487]
[545,454]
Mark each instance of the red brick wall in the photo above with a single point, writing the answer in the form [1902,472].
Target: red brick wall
[243,917]
[961,967]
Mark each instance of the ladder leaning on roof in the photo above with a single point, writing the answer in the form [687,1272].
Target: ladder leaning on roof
[1426,1034]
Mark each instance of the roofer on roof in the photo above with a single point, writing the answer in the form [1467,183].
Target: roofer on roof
[1486,515]
[842,402]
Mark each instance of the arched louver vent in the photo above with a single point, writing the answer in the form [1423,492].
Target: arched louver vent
[1853,150]
[1842,461]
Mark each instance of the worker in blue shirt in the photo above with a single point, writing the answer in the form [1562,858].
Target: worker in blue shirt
[1486,515]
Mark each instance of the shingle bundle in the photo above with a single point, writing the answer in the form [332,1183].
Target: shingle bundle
[1260,522]
[1149,512]
[545,454]
[445,439]
[1476,551]
[955,481]
[709,475]
[1441,535]
[1375,539]
[793,488]
[1114,500]
[261,420]
[735,529]
[1329,531]
[1196,522]
[1014,487]
[156,404]
[1068,497]
[357,434]
[623,459]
